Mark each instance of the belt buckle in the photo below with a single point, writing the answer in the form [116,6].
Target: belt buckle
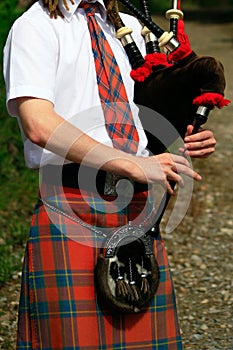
[110,186]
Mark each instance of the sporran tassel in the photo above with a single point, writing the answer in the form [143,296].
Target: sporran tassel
[135,295]
[122,287]
[145,287]
[144,284]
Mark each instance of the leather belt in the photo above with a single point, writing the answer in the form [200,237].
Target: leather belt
[89,179]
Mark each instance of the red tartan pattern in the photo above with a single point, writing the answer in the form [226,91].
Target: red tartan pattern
[113,96]
[58,305]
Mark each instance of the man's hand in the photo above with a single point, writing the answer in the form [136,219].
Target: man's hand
[199,145]
[162,169]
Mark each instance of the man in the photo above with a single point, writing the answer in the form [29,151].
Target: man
[51,85]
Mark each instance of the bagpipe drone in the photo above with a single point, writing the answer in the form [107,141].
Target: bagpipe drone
[179,84]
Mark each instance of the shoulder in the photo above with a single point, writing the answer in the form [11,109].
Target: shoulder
[31,44]
[32,24]
[34,15]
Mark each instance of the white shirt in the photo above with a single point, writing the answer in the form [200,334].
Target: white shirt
[52,59]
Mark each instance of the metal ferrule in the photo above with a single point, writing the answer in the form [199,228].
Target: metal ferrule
[150,37]
[202,110]
[172,45]
[127,39]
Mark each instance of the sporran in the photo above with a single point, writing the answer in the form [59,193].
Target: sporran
[127,272]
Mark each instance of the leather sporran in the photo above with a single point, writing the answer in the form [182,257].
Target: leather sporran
[127,273]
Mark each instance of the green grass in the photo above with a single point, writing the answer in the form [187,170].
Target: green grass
[18,185]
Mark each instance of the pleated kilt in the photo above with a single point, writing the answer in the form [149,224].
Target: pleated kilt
[58,305]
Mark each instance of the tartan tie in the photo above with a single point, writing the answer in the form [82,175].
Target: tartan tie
[118,116]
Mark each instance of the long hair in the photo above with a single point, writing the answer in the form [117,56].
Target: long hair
[53,7]
[54,10]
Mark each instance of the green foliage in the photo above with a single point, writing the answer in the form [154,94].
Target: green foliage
[16,203]
[18,185]
[11,151]
[8,13]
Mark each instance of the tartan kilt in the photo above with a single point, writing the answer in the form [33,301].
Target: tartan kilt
[58,305]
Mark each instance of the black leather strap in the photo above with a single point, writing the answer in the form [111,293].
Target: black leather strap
[85,178]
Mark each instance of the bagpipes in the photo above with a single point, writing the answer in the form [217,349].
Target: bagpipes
[178,84]
[182,87]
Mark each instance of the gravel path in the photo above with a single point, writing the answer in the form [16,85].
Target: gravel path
[200,249]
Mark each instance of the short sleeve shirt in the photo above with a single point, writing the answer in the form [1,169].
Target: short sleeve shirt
[52,59]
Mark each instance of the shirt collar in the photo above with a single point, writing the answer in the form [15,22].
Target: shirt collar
[73,7]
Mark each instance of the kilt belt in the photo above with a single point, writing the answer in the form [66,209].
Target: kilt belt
[89,179]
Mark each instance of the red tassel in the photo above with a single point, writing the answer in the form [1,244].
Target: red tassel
[157,59]
[181,52]
[151,60]
[185,48]
[212,99]
[141,73]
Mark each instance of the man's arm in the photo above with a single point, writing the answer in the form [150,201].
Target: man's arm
[44,127]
